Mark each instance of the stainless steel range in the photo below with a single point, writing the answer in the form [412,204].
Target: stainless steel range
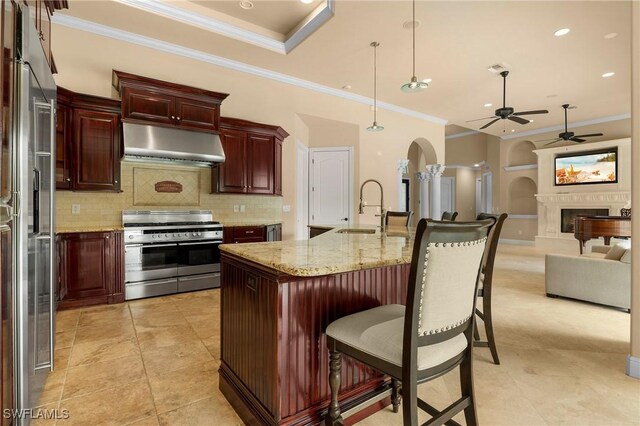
[170,252]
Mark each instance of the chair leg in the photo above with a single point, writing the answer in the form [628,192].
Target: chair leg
[395,394]
[410,406]
[476,333]
[466,386]
[488,327]
[335,370]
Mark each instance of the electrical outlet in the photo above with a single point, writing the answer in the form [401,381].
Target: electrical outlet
[236,208]
[75,208]
[241,208]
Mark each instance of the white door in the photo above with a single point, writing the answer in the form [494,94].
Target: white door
[447,194]
[330,186]
[487,192]
[302,186]
[478,196]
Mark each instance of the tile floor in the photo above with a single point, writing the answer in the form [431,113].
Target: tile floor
[154,362]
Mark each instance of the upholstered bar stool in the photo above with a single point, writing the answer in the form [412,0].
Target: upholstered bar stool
[450,216]
[429,338]
[398,218]
[485,287]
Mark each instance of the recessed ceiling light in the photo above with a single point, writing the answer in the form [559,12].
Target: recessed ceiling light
[408,25]
[487,105]
[476,165]
[347,87]
[561,32]
[307,1]
[427,80]
[610,36]
[608,74]
[246,4]
[530,121]
[513,130]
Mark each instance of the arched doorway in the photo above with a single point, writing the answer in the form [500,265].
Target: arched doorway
[419,154]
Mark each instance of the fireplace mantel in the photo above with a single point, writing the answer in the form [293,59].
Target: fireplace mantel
[585,197]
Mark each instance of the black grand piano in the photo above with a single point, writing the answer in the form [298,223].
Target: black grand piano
[607,227]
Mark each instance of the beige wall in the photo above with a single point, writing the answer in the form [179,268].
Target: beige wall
[85,62]
[635,263]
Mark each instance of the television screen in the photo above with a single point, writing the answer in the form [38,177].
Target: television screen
[587,167]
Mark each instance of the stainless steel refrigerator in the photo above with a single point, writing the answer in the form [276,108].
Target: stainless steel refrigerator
[27,213]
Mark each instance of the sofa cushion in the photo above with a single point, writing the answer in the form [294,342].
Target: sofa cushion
[616,252]
[626,257]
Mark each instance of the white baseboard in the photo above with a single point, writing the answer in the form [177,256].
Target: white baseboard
[633,366]
[517,242]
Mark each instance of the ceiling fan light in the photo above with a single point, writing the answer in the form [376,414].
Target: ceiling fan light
[375,127]
[414,86]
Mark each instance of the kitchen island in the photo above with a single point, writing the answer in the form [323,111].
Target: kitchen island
[277,299]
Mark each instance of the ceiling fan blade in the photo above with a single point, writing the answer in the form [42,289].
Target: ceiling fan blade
[538,111]
[518,119]
[547,140]
[489,123]
[577,140]
[590,135]
[478,119]
[552,142]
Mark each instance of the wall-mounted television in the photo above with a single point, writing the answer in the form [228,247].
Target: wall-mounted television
[587,168]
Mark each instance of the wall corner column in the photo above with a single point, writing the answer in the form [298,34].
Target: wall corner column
[435,171]
[633,360]
[424,178]
[403,167]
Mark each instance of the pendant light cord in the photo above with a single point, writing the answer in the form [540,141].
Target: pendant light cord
[413,24]
[375,82]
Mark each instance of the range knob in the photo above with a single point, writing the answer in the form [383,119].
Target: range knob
[153,236]
[131,237]
[166,235]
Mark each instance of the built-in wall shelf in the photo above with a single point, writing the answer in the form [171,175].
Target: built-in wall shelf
[519,168]
[522,216]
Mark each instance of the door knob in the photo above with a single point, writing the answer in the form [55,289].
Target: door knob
[346,219]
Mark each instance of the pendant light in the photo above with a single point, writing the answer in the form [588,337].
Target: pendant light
[414,85]
[375,127]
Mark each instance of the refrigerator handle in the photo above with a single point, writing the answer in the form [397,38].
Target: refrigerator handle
[52,251]
[36,201]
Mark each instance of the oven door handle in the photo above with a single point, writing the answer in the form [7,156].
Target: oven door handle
[149,245]
[201,242]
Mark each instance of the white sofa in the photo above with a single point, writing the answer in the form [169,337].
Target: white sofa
[591,277]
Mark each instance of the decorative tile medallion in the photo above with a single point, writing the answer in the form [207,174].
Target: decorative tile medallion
[165,187]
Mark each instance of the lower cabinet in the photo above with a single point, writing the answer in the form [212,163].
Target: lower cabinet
[90,268]
[252,234]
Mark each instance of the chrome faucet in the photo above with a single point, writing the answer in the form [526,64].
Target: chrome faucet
[381,205]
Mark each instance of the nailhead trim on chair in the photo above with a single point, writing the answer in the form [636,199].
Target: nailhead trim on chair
[424,279]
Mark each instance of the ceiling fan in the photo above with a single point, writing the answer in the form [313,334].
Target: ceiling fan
[508,113]
[567,135]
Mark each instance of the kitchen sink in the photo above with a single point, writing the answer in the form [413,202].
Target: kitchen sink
[356,231]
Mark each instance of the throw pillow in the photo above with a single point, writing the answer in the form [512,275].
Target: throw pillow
[616,252]
[626,257]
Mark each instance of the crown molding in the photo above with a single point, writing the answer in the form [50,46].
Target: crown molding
[606,119]
[310,24]
[174,49]
[462,135]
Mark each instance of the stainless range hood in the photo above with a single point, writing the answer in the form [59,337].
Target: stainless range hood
[142,141]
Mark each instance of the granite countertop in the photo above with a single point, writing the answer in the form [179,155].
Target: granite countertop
[267,223]
[332,252]
[68,229]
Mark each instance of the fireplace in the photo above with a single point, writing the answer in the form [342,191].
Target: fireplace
[568,217]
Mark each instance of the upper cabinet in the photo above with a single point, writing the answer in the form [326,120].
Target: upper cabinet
[253,163]
[88,142]
[42,12]
[150,101]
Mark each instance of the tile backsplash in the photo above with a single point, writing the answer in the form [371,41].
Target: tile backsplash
[102,209]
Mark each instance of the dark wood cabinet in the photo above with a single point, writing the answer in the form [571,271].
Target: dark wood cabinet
[231,174]
[150,101]
[91,268]
[41,11]
[252,234]
[96,150]
[253,163]
[88,142]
